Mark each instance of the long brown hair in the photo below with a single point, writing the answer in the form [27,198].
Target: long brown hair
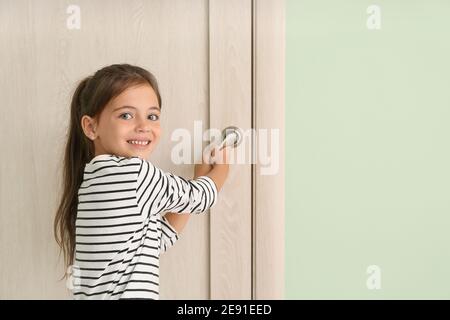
[90,97]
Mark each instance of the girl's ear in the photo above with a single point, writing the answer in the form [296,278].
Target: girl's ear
[88,125]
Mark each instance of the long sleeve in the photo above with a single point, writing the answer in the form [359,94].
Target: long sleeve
[166,192]
[168,235]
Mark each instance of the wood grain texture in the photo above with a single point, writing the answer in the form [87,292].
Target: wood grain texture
[230,104]
[201,53]
[269,61]
[41,67]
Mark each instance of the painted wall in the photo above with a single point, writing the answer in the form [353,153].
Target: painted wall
[367,149]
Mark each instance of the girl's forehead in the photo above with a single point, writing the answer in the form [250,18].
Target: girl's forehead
[142,96]
[138,91]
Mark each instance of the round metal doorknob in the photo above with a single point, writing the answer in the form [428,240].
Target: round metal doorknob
[231,136]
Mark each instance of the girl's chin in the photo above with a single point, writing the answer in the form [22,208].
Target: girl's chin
[144,154]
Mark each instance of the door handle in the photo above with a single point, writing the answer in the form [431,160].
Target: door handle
[231,136]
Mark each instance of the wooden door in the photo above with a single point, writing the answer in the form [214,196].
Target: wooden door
[200,52]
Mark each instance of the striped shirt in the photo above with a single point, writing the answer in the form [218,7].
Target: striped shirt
[120,230]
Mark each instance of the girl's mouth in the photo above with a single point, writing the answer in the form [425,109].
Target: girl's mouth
[141,144]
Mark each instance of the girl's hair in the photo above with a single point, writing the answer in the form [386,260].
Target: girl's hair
[90,98]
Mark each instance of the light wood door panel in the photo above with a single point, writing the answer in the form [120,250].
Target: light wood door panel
[200,52]
[41,61]
[231,104]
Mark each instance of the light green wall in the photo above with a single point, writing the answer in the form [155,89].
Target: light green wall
[367,149]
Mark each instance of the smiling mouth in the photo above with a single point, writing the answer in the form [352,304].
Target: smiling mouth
[139,142]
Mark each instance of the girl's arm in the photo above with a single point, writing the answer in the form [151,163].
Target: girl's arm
[217,172]
[179,220]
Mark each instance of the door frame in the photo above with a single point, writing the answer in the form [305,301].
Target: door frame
[269,113]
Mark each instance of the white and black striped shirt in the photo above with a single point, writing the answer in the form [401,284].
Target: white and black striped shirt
[120,232]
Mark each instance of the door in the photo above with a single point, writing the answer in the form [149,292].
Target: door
[200,52]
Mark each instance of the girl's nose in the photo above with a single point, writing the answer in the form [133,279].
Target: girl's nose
[143,126]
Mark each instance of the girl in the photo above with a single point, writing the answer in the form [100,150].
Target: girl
[109,223]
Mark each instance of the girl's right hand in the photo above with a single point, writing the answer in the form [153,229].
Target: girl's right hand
[220,156]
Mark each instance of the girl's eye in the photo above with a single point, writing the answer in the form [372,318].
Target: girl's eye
[154,117]
[123,114]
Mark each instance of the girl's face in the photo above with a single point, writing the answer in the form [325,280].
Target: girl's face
[128,126]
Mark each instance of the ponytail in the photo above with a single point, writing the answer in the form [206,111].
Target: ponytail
[79,150]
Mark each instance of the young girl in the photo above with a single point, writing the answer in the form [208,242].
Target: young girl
[110,224]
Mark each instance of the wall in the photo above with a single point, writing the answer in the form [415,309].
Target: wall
[367,150]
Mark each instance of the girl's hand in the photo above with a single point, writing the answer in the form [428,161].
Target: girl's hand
[220,156]
[219,160]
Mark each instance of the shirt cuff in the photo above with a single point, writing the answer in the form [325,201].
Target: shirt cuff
[213,188]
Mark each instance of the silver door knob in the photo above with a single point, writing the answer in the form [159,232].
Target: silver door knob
[231,136]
